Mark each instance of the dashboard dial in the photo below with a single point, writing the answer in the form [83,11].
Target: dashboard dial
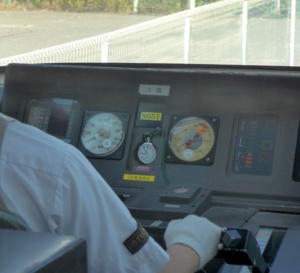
[192,139]
[146,153]
[103,134]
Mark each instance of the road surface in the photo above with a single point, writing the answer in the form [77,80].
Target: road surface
[25,31]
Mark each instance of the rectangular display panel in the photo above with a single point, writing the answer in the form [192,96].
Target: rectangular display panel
[150,114]
[54,116]
[255,144]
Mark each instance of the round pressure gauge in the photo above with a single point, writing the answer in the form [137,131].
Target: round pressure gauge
[146,153]
[103,134]
[192,139]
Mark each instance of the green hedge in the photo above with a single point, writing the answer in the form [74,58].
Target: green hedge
[125,6]
[267,9]
[271,10]
[119,6]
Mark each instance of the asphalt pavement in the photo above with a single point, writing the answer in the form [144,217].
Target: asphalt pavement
[24,31]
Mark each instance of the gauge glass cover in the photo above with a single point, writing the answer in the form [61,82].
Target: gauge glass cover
[191,139]
[103,134]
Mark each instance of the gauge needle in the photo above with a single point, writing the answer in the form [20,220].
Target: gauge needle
[199,133]
[90,139]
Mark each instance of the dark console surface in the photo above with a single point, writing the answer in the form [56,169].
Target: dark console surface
[219,142]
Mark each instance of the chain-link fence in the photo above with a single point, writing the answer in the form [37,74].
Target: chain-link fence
[260,32]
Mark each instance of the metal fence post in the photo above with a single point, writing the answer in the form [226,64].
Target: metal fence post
[293,27]
[192,4]
[104,52]
[135,5]
[278,7]
[186,41]
[244,31]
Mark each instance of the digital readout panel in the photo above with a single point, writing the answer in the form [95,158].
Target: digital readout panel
[150,114]
[54,116]
[255,144]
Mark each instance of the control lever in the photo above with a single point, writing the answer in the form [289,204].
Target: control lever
[239,246]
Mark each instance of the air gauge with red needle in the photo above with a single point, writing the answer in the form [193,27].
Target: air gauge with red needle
[192,139]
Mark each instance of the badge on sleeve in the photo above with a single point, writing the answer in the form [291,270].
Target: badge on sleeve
[137,240]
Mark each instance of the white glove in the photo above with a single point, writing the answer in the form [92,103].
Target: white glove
[197,233]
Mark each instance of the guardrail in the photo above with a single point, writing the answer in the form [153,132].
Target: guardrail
[190,36]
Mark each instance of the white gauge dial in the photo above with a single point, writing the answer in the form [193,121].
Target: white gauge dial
[103,134]
[146,153]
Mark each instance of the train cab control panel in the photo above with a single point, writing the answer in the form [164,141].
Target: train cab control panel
[221,142]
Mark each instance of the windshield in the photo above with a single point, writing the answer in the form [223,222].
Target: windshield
[253,32]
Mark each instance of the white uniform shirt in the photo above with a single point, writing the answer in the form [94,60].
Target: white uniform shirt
[54,188]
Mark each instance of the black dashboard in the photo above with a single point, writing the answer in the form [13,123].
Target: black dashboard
[222,142]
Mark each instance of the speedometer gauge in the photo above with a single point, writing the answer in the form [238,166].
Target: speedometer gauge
[192,140]
[103,133]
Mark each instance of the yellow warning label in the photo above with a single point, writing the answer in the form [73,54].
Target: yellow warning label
[139,177]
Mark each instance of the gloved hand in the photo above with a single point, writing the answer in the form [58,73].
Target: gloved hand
[197,233]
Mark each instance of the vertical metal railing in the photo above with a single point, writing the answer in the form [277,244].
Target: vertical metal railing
[244,31]
[293,29]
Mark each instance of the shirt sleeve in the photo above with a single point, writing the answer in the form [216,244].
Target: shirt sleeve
[86,206]
[54,188]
